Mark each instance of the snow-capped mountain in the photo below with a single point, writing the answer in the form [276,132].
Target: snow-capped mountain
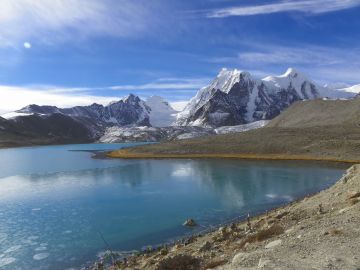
[235,101]
[235,98]
[130,111]
[127,111]
[161,113]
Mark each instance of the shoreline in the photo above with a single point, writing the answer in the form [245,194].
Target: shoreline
[126,154]
[232,240]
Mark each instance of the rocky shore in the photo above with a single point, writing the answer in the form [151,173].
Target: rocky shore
[318,232]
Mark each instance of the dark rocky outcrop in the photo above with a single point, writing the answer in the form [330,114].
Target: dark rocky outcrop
[40,130]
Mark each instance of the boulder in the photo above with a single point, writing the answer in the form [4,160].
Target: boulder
[273,244]
[190,223]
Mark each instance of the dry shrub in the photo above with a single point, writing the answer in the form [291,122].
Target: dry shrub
[334,232]
[353,195]
[353,201]
[263,235]
[268,233]
[260,223]
[281,215]
[179,262]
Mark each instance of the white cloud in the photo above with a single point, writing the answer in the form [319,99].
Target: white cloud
[51,21]
[321,63]
[166,83]
[27,45]
[305,6]
[14,98]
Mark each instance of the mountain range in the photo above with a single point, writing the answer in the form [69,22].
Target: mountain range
[307,130]
[236,98]
[233,98]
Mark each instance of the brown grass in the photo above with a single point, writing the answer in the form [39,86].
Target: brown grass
[335,232]
[353,201]
[179,262]
[214,264]
[126,154]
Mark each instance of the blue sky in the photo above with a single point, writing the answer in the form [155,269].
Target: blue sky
[69,52]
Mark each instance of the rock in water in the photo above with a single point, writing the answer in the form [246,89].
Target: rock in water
[190,223]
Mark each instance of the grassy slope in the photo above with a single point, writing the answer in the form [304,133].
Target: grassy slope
[307,130]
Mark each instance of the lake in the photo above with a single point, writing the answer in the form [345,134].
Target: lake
[57,202]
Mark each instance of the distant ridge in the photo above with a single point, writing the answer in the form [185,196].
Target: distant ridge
[310,130]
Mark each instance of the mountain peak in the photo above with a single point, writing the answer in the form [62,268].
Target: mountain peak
[131,98]
[226,79]
[224,72]
[293,73]
[155,98]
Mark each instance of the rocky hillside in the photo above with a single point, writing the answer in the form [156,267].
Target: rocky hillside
[235,97]
[128,111]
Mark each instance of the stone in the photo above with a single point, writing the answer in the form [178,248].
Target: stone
[265,264]
[205,247]
[273,244]
[239,258]
[190,223]
[345,209]
[247,244]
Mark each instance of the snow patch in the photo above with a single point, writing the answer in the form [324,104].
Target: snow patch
[12,115]
[241,128]
[161,113]
[352,89]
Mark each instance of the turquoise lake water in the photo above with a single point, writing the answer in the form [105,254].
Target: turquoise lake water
[55,202]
